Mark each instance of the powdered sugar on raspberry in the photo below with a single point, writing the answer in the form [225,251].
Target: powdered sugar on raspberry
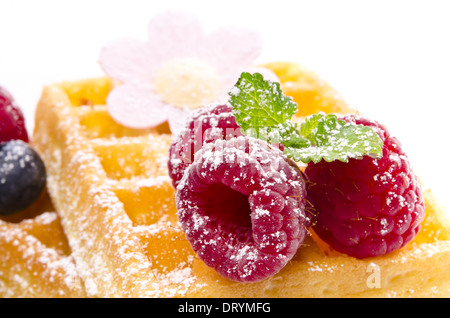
[367,207]
[223,196]
[212,122]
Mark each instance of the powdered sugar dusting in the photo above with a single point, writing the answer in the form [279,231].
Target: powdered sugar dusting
[248,172]
[24,256]
[114,256]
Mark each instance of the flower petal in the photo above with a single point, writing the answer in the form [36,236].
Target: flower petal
[178,118]
[126,60]
[231,49]
[136,105]
[174,34]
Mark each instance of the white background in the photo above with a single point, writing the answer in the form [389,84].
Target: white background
[389,59]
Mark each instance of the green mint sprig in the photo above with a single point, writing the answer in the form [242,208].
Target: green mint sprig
[263,111]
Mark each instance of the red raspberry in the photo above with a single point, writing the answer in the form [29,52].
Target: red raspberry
[241,205]
[207,125]
[12,123]
[367,207]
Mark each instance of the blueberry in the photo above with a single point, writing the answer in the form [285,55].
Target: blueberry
[22,176]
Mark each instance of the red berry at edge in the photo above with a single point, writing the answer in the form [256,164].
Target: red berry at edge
[208,124]
[12,123]
[366,207]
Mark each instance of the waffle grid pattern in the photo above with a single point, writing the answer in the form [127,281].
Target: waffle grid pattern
[110,187]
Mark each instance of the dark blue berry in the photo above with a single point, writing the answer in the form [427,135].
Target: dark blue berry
[22,176]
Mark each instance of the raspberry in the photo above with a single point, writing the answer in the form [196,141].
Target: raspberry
[22,176]
[367,207]
[206,125]
[12,123]
[241,205]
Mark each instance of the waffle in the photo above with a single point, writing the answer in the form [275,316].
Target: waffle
[35,258]
[111,189]
[309,90]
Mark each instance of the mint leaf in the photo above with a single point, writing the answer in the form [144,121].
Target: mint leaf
[333,139]
[258,103]
[262,111]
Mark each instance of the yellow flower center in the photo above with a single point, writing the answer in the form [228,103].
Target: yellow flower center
[187,83]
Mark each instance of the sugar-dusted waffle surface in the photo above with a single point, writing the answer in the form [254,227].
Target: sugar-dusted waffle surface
[35,258]
[111,188]
[308,89]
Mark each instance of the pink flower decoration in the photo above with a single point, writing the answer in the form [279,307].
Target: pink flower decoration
[179,68]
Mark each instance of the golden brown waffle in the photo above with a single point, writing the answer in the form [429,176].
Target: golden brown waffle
[308,90]
[35,258]
[110,186]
